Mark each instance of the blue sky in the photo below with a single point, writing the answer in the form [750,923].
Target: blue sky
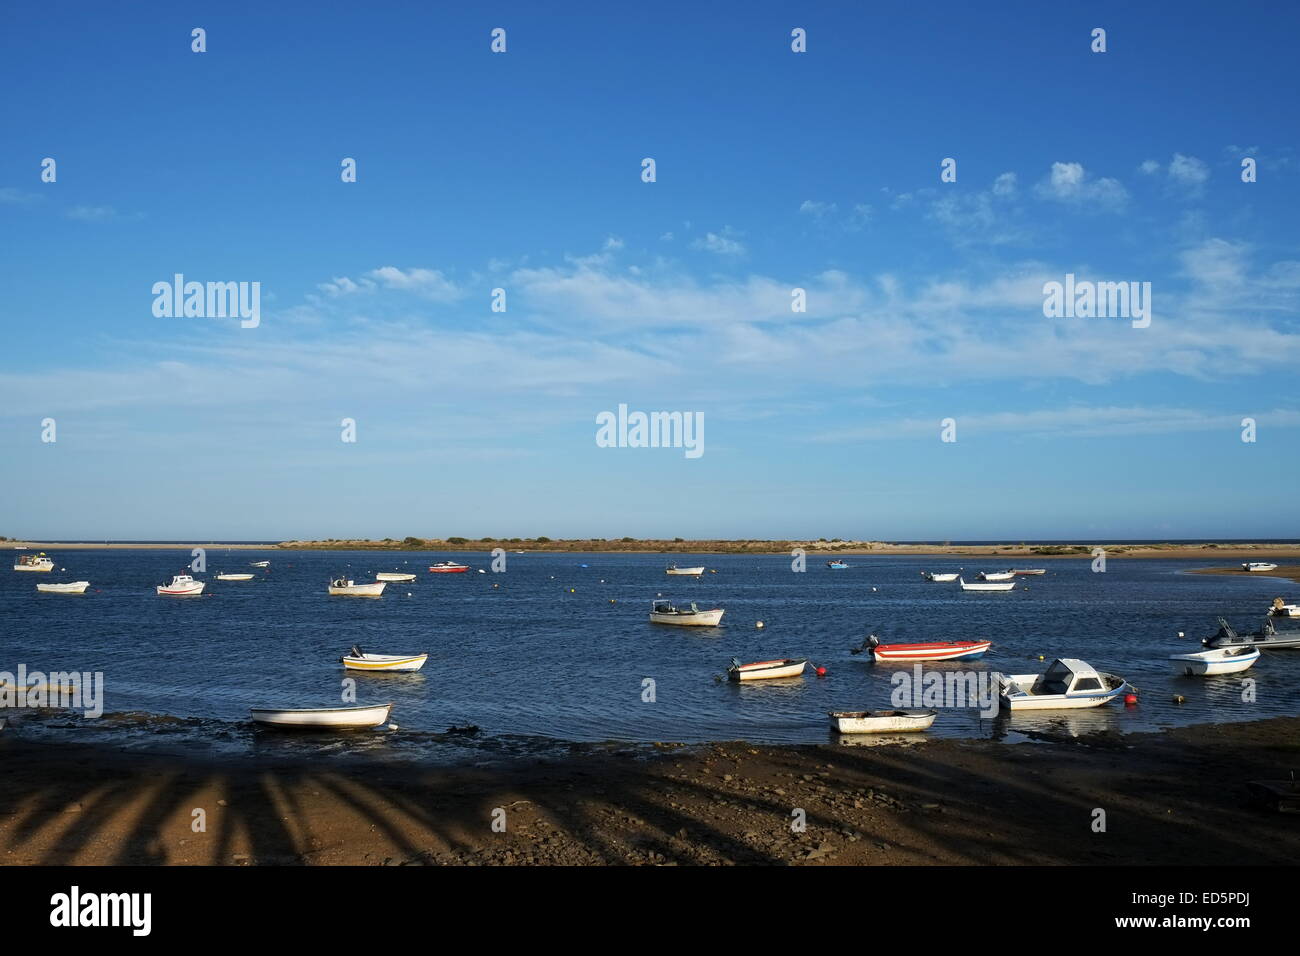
[775,170]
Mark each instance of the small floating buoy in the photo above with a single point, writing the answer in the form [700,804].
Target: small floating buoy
[1040,657]
[1179,699]
[758,623]
[392,726]
[820,671]
[408,593]
[1180,633]
[611,600]
[873,590]
[496,585]
[1130,699]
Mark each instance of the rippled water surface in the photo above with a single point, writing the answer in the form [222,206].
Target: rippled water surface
[551,648]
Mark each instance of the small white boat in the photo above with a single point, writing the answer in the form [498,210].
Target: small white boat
[393,576]
[1281,609]
[1258,566]
[996,576]
[1218,660]
[358,660]
[939,578]
[336,718]
[881,721]
[766,670]
[76,587]
[1067,684]
[1023,572]
[348,587]
[260,564]
[33,562]
[674,569]
[234,577]
[182,585]
[986,585]
[663,612]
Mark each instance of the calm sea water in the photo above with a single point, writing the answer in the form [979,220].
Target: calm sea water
[554,649]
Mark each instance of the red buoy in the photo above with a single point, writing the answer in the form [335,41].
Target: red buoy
[1130,699]
[821,672]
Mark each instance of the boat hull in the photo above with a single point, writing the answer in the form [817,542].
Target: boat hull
[385,662]
[1015,700]
[234,577]
[988,586]
[458,569]
[46,566]
[358,590]
[390,576]
[935,651]
[693,572]
[1209,663]
[193,591]
[331,718]
[767,670]
[998,576]
[75,587]
[697,619]
[882,722]
[941,578]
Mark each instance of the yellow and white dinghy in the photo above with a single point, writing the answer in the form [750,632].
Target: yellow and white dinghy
[358,660]
[72,587]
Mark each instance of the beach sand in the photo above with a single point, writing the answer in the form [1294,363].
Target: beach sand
[1177,797]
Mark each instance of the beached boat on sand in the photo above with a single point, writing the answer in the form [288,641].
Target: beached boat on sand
[1266,637]
[986,585]
[1259,566]
[359,660]
[348,588]
[674,569]
[33,562]
[995,575]
[182,585]
[1067,684]
[766,670]
[74,587]
[1217,660]
[931,651]
[394,576]
[323,718]
[940,578]
[664,612]
[881,721]
[226,576]
[448,567]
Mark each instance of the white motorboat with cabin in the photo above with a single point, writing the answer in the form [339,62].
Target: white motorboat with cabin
[986,585]
[674,569]
[665,612]
[881,721]
[323,718]
[182,585]
[33,562]
[1068,683]
[358,660]
[73,587]
[349,588]
[1217,660]
[766,670]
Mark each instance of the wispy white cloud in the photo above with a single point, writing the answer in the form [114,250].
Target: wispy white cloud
[1070,183]
[723,243]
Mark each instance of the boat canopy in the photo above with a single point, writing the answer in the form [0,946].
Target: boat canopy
[1067,674]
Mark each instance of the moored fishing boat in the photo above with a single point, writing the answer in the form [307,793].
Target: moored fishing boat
[260,564]
[33,562]
[74,587]
[836,565]
[940,578]
[227,576]
[448,567]
[674,569]
[1067,684]
[1259,566]
[664,612]
[182,585]
[931,651]
[359,660]
[323,718]
[766,670]
[881,721]
[995,575]
[393,576]
[1024,572]
[986,585]
[1217,660]
[348,588]
[1281,609]
[1267,637]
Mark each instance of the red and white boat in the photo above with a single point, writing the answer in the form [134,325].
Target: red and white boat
[932,651]
[448,567]
[1023,572]
[182,585]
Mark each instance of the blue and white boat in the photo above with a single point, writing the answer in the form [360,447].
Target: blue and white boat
[1067,684]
